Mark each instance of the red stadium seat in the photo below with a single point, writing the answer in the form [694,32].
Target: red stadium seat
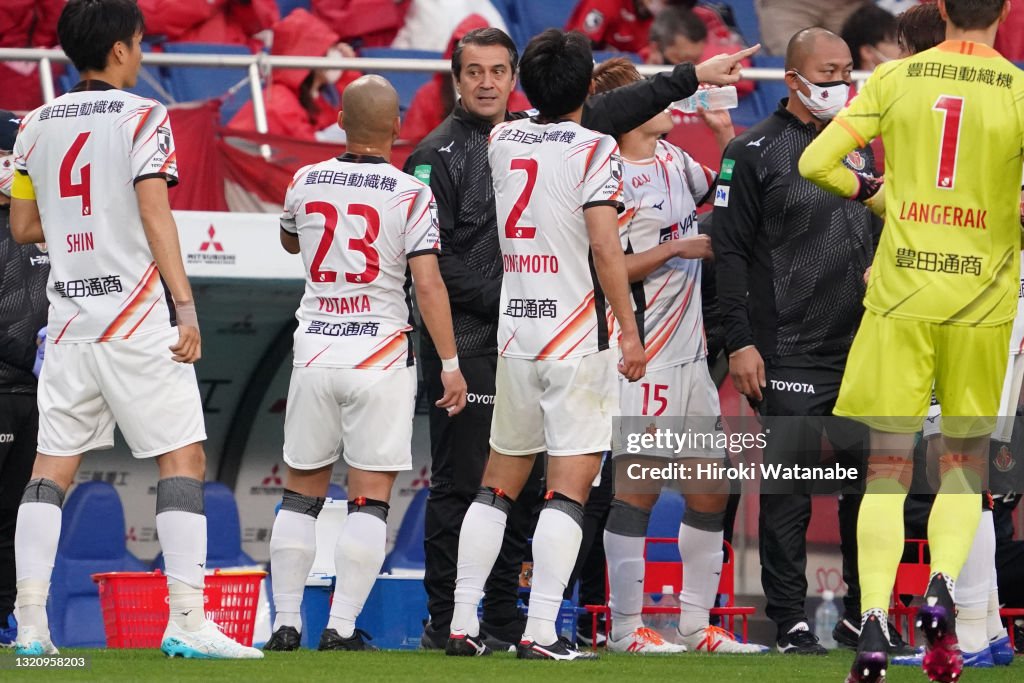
[911,582]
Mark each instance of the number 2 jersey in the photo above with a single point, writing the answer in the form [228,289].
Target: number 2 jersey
[662,195]
[545,176]
[359,219]
[952,121]
[79,157]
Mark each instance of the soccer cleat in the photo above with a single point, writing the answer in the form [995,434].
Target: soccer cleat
[872,659]
[644,641]
[584,635]
[800,641]
[846,634]
[433,638]
[462,645]
[942,660]
[719,641]
[983,659]
[8,632]
[1002,652]
[33,642]
[284,639]
[560,650]
[330,640]
[502,638]
[206,643]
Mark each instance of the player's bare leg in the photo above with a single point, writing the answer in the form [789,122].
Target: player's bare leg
[880,538]
[181,526]
[556,544]
[358,556]
[479,544]
[35,547]
[293,549]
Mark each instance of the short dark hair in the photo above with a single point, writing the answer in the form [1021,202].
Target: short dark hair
[974,14]
[88,29]
[556,70]
[920,28]
[677,21]
[869,25]
[485,36]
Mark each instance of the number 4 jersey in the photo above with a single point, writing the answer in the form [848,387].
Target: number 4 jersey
[545,176]
[358,220]
[79,157]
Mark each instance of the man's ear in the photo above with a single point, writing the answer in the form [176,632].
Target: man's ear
[792,82]
[396,128]
[341,120]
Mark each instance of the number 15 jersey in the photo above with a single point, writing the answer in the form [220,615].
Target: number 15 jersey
[359,220]
[545,176]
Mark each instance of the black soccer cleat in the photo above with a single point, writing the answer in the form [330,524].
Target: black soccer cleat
[462,645]
[560,650]
[872,658]
[433,638]
[847,635]
[943,660]
[284,639]
[800,641]
[502,638]
[330,640]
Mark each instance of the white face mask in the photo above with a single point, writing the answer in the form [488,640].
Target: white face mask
[332,75]
[826,99]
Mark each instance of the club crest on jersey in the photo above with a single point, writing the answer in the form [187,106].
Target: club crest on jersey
[163,139]
[1004,461]
[616,166]
[593,20]
[856,161]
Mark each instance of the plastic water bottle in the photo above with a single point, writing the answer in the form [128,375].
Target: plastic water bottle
[667,624]
[825,618]
[708,98]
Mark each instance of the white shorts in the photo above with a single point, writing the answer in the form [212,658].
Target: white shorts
[85,388]
[679,397]
[565,407]
[367,414]
[1007,404]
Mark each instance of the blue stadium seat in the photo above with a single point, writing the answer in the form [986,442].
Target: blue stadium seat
[405,82]
[223,530]
[336,492]
[666,516]
[92,540]
[602,55]
[746,20]
[770,92]
[530,17]
[152,81]
[196,83]
[285,7]
[408,551]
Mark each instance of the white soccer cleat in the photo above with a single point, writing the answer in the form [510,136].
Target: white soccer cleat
[713,639]
[206,643]
[644,641]
[34,642]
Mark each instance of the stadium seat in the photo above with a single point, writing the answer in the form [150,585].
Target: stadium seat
[746,20]
[152,81]
[92,540]
[285,7]
[770,92]
[197,83]
[911,582]
[223,530]
[405,82]
[602,55]
[666,516]
[530,17]
[336,492]
[407,555]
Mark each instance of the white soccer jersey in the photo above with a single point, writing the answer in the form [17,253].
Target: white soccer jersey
[662,195]
[359,220]
[84,153]
[544,176]
[1017,335]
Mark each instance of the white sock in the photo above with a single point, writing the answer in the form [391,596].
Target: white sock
[483,529]
[994,624]
[625,557]
[973,587]
[701,552]
[292,551]
[556,545]
[358,558]
[183,542]
[35,548]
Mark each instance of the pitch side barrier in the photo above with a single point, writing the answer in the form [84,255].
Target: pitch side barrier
[258,68]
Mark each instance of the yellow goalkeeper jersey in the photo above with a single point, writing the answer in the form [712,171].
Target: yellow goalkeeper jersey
[952,122]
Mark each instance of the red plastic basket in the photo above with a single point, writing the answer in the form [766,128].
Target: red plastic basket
[135,608]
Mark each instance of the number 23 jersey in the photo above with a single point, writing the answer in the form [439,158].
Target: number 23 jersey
[359,220]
